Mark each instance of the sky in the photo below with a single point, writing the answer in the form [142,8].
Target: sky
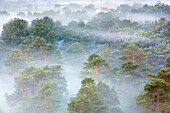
[93,0]
[125,1]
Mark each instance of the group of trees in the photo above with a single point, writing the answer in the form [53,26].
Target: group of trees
[117,51]
[95,64]
[156,95]
[32,44]
[157,9]
[14,31]
[93,98]
[17,31]
[38,89]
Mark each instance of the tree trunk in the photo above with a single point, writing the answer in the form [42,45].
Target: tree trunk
[45,58]
[46,103]
[96,72]
[137,58]
[80,109]
[26,57]
[158,110]
[22,90]
[133,56]
[44,54]
[166,79]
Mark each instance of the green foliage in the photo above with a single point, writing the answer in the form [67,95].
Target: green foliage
[48,21]
[95,64]
[41,29]
[162,74]
[157,54]
[127,24]
[75,49]
[124,8]
[105,52]
[159,8]
[81,24]
[15,62]
[129,66]
[14,30]
[41,45]
[88,99]
[58,56]
[156,96]
[80,104]
[102,21]
[110,96]
[93,60]
[143,46]
[133,53]
[39,88]
[168,61]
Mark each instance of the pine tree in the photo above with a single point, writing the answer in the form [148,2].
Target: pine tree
[110,96]
[41,28]
[38,89]
[156,96]
[133,53]
[80,104]
[42,46]
[23,50]
[16,61]
[88,93]
[94,61]
[162,74]
[58,56]
[75,49]
[168,61]
[14,30]
[129,67]
[105,52]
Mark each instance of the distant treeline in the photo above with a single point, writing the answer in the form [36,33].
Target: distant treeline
[157,9]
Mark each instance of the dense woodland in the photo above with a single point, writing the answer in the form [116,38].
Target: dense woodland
[114,56]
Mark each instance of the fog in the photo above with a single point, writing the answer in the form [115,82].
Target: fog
[7,86]
[57,13]
[78,24]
